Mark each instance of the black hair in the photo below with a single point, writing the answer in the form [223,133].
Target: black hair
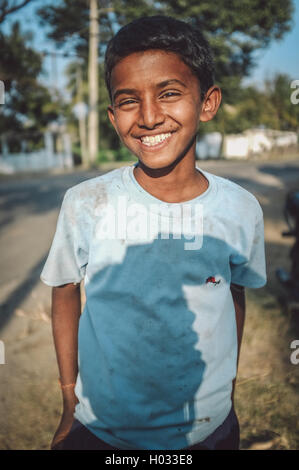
[167,34]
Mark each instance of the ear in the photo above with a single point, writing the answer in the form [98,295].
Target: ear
[210,104]
[111,116]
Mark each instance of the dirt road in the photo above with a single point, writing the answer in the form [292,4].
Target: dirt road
[30,403]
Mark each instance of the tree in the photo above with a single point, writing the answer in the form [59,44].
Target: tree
[270,107]
[278,91]
[109,138]
[7,7]
[28,104]
[235,29]
[93,82]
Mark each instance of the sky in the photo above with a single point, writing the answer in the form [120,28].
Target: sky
[281,56]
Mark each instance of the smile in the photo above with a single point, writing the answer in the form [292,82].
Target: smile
[153,140]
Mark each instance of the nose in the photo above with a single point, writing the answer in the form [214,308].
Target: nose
[151,114]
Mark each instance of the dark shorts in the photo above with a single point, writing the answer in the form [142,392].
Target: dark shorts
[225,437]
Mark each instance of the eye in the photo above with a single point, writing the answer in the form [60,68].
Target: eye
[126,103]
[170,94]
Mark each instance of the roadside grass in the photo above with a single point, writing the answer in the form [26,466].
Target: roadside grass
[268,383]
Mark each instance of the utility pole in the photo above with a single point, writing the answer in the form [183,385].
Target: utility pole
[93,83]
[81,112]
[54,72]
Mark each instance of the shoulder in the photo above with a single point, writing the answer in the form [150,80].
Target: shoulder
[93,186]
[236,200]
[82,201]
[94,192]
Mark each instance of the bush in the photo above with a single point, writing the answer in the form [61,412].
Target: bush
[106,156]
[77,157]
[124,155]
[119,155]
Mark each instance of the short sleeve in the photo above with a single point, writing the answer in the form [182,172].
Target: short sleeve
[248,267]
[68,255]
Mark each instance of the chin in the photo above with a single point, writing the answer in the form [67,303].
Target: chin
[156,164]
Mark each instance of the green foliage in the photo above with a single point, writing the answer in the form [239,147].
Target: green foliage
[28,104]
[7,7]
[79,92]
[235,29]
[278,92]
[124,155]
[270,108]
[120,155]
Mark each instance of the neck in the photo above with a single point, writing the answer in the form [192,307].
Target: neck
[179,182]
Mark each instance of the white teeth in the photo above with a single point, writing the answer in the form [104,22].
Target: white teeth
[154,140]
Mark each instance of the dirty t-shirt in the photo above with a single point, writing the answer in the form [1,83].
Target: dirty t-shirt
[157,338]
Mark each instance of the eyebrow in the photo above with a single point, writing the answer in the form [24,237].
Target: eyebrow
[124,91]
[129,91]
[170,82]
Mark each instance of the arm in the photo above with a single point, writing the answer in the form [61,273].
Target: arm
[238,294]
[66,311]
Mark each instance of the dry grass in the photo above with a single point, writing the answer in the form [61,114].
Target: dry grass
[268,383]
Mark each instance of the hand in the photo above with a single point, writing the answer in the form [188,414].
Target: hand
[67,419]
[233,393]
[63,430]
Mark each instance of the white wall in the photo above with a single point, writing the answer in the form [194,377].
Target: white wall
[243,145]
[44,159]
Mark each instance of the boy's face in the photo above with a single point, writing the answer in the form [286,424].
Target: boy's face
[156,107]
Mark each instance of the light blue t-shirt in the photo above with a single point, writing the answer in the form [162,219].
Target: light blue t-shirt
[157,338]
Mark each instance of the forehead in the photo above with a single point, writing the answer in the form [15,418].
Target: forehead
[148,68]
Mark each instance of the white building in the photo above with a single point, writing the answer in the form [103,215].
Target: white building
[244,145]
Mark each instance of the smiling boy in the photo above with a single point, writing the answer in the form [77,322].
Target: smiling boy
[155,360]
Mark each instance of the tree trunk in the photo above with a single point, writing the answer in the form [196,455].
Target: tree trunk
[93,116]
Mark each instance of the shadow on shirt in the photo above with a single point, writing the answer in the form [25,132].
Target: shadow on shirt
[151,326]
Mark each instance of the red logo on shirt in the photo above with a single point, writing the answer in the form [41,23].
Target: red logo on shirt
[212,280]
